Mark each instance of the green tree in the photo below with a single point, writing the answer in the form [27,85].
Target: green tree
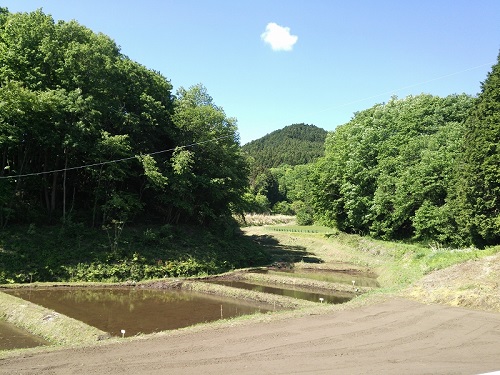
[70,98]
[266,184]
[344,180]
[479,175]
[294,184]
[391,167]
[416,165]
[214,179]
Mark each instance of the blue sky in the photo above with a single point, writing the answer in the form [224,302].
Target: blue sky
[331,58]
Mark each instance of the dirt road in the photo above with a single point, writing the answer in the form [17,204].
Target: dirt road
[393,337]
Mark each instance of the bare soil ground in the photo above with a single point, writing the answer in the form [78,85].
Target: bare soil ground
[396,336]
[447,323]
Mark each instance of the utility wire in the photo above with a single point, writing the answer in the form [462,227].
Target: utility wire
[401,88]
[216,139]
[112,161]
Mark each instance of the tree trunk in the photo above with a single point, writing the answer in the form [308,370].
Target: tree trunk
[64,184]
[53,194]
[96,193]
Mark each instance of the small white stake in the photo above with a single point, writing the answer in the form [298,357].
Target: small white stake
[123,333]
[321,299]
[353,282]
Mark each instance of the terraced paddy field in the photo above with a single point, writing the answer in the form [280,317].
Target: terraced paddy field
[398,317]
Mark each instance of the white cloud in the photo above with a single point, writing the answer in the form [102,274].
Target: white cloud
[278,37]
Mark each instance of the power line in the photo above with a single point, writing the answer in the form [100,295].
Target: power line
[216,139]
[112,161]
[402,88]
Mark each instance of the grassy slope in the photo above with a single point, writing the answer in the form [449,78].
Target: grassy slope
[76,253]
[460,277]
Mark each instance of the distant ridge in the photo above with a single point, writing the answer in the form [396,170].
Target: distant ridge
[293,145]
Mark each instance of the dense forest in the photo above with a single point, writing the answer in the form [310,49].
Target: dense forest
[294,144]
[105,174]
[422,168]
[91,140]
[276,161]
[389,172]
[88,135]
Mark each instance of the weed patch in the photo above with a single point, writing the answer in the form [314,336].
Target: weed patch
[261,220]
[76,253]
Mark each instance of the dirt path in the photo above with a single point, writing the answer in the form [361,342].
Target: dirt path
[393,337]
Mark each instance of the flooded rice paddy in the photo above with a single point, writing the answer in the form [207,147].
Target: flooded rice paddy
[138,310]
[289,291]
[142,310]
[12,337]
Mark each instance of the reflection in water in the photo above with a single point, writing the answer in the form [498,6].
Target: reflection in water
[137,310]
[289,292]
[12,337]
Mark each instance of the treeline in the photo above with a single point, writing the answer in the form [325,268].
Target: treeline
[422,168]
[391,171]
[276,167]
[294,144]
[88,135]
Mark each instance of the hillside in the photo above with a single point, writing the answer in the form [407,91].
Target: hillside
[294,144]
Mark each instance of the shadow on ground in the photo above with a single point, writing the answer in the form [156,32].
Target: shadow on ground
[284,253]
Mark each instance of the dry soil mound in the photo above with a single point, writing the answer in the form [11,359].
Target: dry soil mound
[474,284]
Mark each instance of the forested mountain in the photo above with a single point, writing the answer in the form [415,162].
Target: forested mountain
[293,145]
[278,164]
[87,134]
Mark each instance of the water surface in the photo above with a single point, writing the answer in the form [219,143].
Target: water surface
[289,291]
[12,337]
[137,310]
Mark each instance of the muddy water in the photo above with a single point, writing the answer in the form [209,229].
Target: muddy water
[289,292]
[12,337]
[137,310]
[360,279]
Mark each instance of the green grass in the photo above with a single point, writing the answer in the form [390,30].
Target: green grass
[74,253]
[398,264]
[401,264]
[433,259]
[77,253]
[303,229]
